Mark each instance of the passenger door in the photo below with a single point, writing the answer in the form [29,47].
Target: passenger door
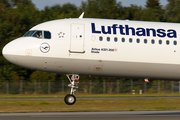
[77,38]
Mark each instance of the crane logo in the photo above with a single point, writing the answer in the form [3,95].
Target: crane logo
[44,47]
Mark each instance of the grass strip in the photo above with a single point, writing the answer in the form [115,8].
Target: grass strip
[25,106]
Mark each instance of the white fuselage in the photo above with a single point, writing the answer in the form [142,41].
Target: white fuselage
[101,47]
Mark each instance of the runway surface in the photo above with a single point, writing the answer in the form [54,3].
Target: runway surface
[128,115]
[89,98]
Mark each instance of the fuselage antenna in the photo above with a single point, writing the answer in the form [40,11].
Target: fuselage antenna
[81,16]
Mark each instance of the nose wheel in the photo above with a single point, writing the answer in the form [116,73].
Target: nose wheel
[70,99]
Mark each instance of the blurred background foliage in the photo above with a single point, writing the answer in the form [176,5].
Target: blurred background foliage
[18,16]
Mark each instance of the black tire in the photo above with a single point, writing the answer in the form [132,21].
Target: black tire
[69,99]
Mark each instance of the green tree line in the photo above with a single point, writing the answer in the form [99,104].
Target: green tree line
[18,16]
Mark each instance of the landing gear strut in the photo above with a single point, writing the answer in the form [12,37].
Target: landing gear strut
[70,99]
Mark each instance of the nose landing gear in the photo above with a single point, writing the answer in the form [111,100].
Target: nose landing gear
[70,99]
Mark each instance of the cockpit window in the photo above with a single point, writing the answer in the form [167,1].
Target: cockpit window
[29,33]
[38,34]
[47,35]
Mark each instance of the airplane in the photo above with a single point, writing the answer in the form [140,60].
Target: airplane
[99,47]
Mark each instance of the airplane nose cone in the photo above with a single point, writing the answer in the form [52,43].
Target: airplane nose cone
[10,52]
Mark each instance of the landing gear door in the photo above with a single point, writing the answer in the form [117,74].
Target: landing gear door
[77,38]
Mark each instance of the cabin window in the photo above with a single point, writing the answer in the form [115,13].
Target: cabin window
[108,39]
[175,42]
[160,41]
[130,40]
[145,41]
[138,40]
[38,34]
[47,35]
[29,33]
[123,39]
[152,41]
[167,42]
[115,39]
[100,38]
